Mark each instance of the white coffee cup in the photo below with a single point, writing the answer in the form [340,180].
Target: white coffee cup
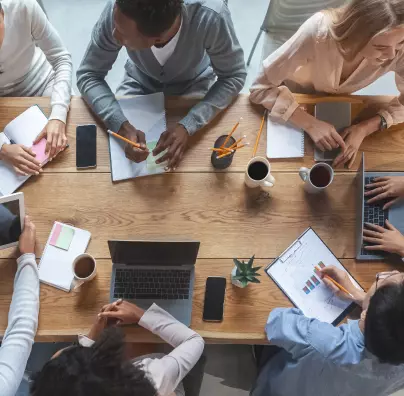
[318,178]
[258,174]
[84,270]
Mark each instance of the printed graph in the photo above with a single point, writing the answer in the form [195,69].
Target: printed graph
[314,281]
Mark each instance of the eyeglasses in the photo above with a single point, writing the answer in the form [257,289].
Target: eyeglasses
[384,275]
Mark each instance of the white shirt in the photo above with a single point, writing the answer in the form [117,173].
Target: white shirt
[167,372]
[162,54]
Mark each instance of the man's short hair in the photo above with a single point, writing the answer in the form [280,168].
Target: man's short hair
[384,324]
[101,370]
[152,17]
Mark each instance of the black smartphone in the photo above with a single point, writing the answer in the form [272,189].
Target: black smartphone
[86,146]
[214,299]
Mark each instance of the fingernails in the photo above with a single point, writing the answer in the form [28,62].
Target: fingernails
[99,316]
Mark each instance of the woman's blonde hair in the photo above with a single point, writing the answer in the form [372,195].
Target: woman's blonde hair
[354,24]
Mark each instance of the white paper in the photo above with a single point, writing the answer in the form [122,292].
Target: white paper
[296,266]
[23,130]
[283,140]
[146,113]
[55,267]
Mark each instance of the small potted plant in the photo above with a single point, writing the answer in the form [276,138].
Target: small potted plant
[244,273]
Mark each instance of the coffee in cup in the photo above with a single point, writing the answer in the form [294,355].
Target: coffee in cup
[84,269]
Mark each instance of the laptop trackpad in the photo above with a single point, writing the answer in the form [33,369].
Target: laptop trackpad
[396,216]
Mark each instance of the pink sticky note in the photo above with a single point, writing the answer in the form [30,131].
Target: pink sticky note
[55,235]
[39,150]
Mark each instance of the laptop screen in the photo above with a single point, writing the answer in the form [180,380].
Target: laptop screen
[153,252]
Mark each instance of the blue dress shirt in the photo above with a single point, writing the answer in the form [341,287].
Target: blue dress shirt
[320,359]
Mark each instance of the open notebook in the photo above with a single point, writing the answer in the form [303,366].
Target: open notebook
[146,113]
[64,244]
[23,130]
[284,140]
[294,272]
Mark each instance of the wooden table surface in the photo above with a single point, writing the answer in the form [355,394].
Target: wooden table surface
[195,202]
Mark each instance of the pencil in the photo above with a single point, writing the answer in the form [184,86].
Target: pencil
[236,143]
[137,145]
[221,149]
[259,134]
[336,283]
[231,133]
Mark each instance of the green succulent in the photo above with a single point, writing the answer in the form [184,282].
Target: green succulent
[246,272]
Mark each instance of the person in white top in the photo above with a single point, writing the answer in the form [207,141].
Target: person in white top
[97,366]
[23,315]
[33,62]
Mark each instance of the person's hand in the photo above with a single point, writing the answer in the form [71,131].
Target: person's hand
[389,187]
[100,323]
[353,136]
[325,136]
[21,158]
[388,239]
[130,132]
[343,279]
[175,141]
[123,312]
[56,140]
[28,237]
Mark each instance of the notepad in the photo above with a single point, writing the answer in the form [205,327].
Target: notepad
[146,113]
[284,140]
[23,130]
[294,272]
[64,244]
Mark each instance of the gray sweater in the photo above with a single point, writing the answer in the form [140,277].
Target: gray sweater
[207,39]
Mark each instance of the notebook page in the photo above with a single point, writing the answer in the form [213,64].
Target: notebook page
[146,113]
[294,273]
[55,267]
[284,140]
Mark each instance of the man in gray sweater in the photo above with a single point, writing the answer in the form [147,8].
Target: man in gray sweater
[176,47]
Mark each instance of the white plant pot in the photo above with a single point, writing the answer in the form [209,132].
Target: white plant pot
[236,282]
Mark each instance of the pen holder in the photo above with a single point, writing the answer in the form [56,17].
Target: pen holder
[225,162]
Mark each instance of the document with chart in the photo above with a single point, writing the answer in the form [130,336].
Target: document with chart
[295,273]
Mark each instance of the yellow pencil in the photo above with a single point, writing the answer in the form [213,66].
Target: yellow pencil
[137,145]
[259,134]
[342,288]
[231,133]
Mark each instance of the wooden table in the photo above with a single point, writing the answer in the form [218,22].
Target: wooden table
[194,202]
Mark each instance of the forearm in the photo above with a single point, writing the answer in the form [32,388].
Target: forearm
[22,325]
[218,98]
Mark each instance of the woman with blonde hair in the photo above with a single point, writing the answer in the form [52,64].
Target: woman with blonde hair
[337,51]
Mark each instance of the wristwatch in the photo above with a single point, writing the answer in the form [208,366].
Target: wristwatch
[383,123]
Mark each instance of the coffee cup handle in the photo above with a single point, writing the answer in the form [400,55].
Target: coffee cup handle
[76,284]
[304,173]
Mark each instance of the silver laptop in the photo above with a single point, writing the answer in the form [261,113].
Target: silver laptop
[337,114]
[161,272]
[374,214]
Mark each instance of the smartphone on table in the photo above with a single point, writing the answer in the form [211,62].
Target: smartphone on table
[86,146]
[214,299]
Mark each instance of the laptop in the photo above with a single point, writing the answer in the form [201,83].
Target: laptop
[161,272]
[374,213]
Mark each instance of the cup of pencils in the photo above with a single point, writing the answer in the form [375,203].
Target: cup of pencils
[224,149]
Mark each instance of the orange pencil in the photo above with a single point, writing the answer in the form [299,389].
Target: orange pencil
[231,133]
[259,134]
[236,143]
[137,145]
[221,149]
[342,288]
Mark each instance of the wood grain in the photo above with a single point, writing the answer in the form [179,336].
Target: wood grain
[64,315]
[217,209]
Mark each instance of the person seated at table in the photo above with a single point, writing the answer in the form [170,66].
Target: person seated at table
[98,364]
[362,357]
[388,189]
[337,51]
[174,46]
[23,315]
[33,62]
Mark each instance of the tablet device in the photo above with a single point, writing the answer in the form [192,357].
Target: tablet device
[12,213]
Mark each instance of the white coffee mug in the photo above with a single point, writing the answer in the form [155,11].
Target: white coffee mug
[81,277]
[318,178]
[259,175]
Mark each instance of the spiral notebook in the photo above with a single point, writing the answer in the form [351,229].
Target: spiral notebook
[146,113]
[284,140]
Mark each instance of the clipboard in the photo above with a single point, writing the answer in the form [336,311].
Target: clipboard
[293,272]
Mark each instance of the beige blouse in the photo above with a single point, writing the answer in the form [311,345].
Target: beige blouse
[310,62]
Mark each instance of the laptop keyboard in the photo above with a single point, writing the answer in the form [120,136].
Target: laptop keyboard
[373,214]
[156,284]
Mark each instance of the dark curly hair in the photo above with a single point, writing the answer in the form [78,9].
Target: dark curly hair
[100,370]
[152,17]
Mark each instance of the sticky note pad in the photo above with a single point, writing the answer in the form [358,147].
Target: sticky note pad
[39,150]
[152,167]
[62,237]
